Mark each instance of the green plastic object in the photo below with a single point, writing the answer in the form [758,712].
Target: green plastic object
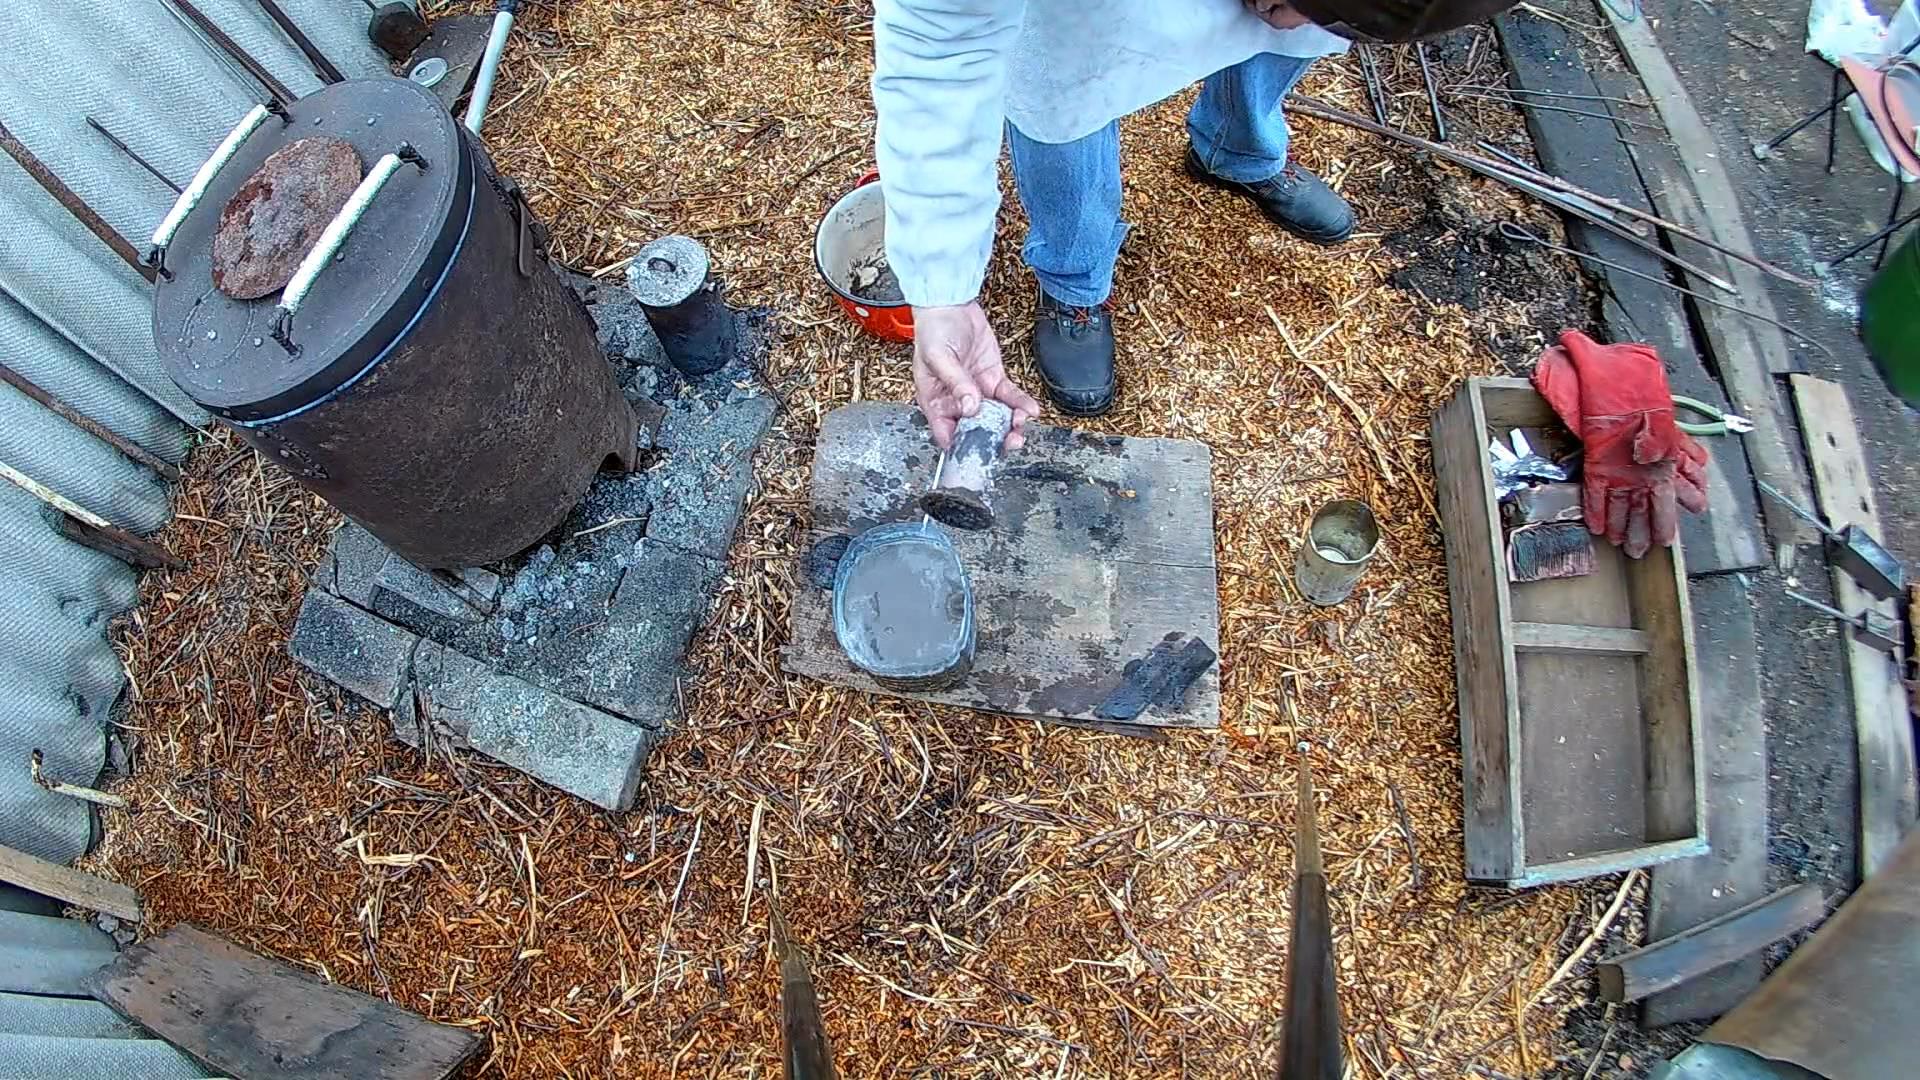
[1890,320]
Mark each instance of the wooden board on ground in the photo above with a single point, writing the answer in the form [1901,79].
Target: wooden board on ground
[1103,548]
[1545,58]
[251,1018]
[67,885]
[1733,730]
[1580,735]
[1742,932]
[1690,186]
[1881,724]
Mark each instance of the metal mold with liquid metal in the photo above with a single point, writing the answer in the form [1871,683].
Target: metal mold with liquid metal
[439,383]
[903,607]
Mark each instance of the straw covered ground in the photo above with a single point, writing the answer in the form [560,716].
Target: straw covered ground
[980,896]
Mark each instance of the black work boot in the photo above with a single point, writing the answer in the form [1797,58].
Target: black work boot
[1074,348]
[1294,199]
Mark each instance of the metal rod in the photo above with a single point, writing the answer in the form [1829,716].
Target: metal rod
[73,203]
[1433,92]
[1520,104]
[1799,511]
[1320,110]
[128,150]
[321,65]
[1514,91]
[1834,98]
[1894,227]
[89,425]
[1370,79]
[1518,232]
[276,89]
[490,65]
[1893,214]
[1597,215]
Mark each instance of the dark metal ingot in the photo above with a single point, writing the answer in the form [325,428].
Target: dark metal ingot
[451,404]
[278,214]
[685,304]
[397,29]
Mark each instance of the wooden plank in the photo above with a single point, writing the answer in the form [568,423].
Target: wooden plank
[94,531]
[251,1018]
[1102,548]
[1842,1005]
[1567,637]
[1698,193]
[1545,57]
[68,885]
[1610,862]
[1484,664]
[1713,944]
[1687,893]
[1888,802]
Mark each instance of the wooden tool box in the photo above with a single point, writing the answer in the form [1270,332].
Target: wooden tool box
[1579,712]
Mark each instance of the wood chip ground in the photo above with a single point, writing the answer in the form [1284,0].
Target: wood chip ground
[954,876]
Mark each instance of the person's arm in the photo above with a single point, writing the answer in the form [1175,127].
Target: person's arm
[939,85]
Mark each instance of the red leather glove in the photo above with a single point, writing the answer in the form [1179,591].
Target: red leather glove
[1638,466]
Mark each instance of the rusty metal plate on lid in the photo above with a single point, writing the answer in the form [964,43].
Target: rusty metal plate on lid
[277,215]
[219,348]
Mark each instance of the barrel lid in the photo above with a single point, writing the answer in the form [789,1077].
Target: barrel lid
[220,349]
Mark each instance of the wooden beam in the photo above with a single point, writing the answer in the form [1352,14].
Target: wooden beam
[69,886]
[251,1018]
[1569,638]
[1701,195]
[1888,801]
[1713,944]
[86,527]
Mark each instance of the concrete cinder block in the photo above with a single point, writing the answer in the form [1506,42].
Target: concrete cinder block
[702,487]
[637,664]
[475,597]
[576,748]
[352,564]
[361,652]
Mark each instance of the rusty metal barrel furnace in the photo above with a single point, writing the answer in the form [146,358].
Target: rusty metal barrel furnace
[359,295]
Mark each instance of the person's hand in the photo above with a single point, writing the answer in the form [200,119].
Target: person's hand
[1278,14]
[956,363]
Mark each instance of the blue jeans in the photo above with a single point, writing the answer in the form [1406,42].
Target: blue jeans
[1072,190]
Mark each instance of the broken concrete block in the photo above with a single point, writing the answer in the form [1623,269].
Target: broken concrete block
[352,564]
[471,600]
[576,748]
[635,666]
[702,486]
[361,652]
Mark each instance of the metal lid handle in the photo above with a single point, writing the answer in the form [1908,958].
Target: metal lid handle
[333,237]
[202,180]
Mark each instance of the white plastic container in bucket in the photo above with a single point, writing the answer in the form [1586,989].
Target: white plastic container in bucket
[854,232]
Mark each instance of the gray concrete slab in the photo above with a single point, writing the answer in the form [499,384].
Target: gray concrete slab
[469,596]
[581,750]
[354,648]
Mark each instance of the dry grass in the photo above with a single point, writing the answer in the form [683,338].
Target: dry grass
[955,876]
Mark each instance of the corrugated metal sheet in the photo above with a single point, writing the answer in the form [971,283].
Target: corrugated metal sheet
[76,320]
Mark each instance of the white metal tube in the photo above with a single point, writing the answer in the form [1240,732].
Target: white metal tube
[203,179]
[489,68]
[335,234]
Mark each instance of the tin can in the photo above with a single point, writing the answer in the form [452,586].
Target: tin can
[1341,539]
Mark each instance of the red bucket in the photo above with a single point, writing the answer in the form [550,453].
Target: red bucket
[853,231]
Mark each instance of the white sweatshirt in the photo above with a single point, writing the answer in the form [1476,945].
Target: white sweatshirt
[949,73]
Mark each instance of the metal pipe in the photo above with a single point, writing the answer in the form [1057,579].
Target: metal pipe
[1513,231]
[89,425]
[1320,110]
[275,88]
[490,65]
[128,150]
[73,203]
[1433,92]
[321,65]
[1893,227]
